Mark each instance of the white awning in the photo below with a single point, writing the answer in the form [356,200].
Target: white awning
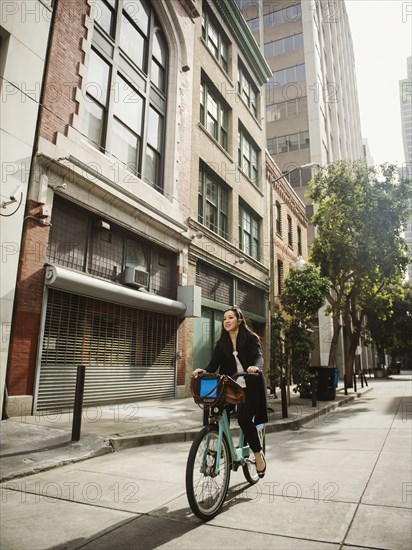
[79,283]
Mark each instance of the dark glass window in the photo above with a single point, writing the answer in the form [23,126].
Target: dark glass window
[248,156]
[249,239]
[213,203]
[214,113]
[214,38]
[125,88]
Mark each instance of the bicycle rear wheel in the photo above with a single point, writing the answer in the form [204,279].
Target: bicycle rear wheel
[206,490]
[249,469]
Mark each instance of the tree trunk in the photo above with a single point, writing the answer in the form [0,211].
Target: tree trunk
[332,362]
[352,331]
[348,357]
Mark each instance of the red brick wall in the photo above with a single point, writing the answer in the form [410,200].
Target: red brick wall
[27,307]
[62,73]
[59,105]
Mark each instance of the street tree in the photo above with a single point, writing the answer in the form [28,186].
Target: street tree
[303,294]
[389,320]
[358,245]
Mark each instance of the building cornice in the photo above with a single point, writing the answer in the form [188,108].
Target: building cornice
[240,30]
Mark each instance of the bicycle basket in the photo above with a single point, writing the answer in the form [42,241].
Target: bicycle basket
[207,390]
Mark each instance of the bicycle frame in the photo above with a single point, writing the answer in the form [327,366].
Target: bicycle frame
[238,454]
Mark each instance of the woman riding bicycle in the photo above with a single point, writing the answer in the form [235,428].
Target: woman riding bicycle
[239,350]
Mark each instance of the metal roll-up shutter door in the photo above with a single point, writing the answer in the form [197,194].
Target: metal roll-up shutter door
[129,353]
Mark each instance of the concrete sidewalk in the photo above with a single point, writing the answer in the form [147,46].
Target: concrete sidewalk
[31,444]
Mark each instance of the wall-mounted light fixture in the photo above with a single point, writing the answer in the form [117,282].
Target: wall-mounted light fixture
[15,196]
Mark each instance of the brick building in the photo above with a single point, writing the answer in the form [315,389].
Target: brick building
[147,211]
[103,247]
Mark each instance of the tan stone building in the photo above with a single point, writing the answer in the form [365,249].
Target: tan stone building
[229,193]
[312,111]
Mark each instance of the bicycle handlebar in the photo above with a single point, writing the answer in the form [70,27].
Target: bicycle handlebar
[235,375]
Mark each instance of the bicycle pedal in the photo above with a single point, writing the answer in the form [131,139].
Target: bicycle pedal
[250,461]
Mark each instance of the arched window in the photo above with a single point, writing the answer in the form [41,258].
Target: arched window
[125,88]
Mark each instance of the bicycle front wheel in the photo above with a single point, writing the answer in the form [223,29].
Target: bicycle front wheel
[249,469]
[206,490]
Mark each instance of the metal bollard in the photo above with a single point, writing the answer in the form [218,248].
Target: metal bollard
[78,402]
[314,390]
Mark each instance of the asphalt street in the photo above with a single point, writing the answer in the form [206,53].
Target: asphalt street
[342,481]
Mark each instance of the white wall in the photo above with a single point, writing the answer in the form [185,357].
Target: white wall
[24,29]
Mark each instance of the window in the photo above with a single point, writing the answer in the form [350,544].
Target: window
[285,144]
[125,88]
[291,14]
[248,90]
[249,232]
[78,241]
[291,74]
[280,276]
[299,241]
[284,45]
[214,113]
[286,109]
[107,15]
[215,40]
[213,203]
[290,234]
[248,156]
[278,218]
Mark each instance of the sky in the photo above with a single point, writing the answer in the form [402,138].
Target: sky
[381,33]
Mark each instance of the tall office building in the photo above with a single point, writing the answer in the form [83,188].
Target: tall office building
[312,112]
[405,88]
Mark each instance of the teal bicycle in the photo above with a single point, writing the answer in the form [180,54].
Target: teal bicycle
[213,454]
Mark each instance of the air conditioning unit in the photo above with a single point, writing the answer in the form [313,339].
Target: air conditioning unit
[136,276]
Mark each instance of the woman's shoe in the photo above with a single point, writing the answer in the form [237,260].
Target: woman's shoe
[261,473]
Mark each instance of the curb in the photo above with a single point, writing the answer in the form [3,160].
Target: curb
[127,442]
[38,468]
[115,444]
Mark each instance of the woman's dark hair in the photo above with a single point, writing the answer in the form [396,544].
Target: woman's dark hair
[243,327]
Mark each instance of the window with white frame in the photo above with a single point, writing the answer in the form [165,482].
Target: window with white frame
[249,228]
[248,90]
[214,113]
[248,156]
[125,87]
[213,202]
[214,38]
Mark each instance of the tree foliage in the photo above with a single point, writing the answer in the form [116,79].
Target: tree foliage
[390,322]
[359,220]
[304,293]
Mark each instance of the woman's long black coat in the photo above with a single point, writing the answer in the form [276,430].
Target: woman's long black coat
[249,354]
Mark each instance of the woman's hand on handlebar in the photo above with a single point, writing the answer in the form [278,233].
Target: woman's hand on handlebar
[196,372]
[253,370]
